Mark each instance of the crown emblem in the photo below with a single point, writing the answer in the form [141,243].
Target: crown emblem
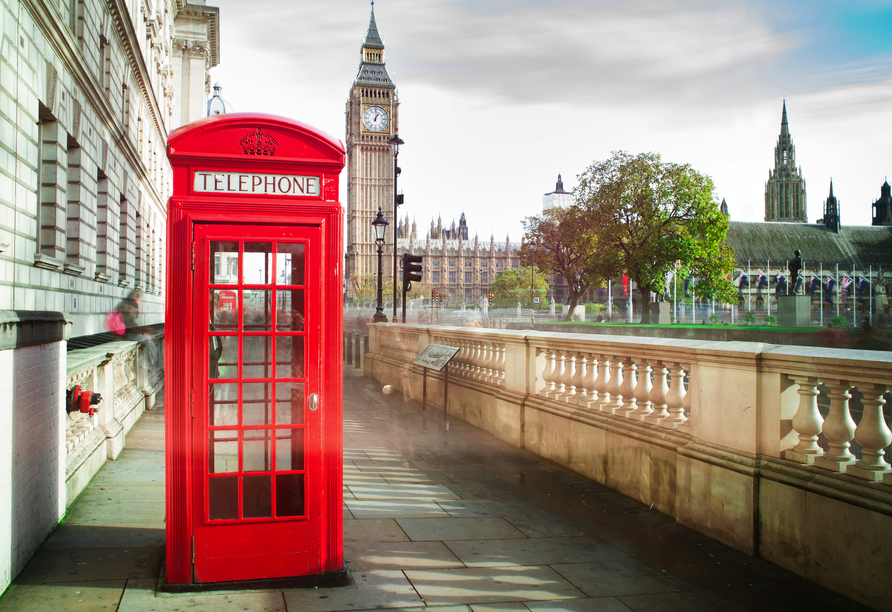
[258,143]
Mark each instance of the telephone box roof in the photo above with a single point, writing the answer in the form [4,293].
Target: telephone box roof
[261,136]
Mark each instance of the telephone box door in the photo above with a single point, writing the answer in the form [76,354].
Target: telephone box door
[257,511]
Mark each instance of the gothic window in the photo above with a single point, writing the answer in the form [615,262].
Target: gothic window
[499,265]
[451,277]
[452,262]
[468,278]
[484,278]
[467,294]
[435,277]
[467,263]
[436,262]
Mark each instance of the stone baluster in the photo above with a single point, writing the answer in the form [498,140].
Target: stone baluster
[603,397]
[675,398]
[627,388]
[686,400]
[873,435]
[582,368]
[483,361]
[569,377]
[658,395]
[589,393]
[838,428]
[615,401]
[642,389]
[466,357]
[472,358]
[548,373]
[806,422]
[503,357]
[560,365]
[480,360]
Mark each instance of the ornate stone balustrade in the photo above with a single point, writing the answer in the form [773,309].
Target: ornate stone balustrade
[120,373]
[726,437]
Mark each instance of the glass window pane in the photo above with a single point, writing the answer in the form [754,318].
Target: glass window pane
[223,451]
[257,399]
[289,356]
[256,450]
[223,405]
[224,310]
[258,306]
[290,495]
[290,403]
[223,498]
[257,360]
[223,357]
[289,449]
[258,263]
[224,263]
[290,264]
[290,310]
[257,496]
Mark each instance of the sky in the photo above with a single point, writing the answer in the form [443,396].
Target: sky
[499,96]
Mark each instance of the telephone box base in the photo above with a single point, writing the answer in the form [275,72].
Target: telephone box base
[318,581]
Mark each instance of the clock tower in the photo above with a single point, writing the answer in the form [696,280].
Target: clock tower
[372,119]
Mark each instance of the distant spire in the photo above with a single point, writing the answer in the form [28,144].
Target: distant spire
[785,129]
[372,38]
[831,187]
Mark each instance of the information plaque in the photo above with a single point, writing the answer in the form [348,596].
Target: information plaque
[435,356]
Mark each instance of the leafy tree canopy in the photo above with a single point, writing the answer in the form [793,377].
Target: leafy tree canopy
[513,286]
[562,241]
[653,215]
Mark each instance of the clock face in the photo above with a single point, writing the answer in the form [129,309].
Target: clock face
[375,119]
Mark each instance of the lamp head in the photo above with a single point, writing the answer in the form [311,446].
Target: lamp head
[380,226]
[395,142]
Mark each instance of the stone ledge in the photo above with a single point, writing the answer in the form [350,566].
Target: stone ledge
[20,328]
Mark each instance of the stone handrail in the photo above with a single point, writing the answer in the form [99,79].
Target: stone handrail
[119,371]
[650,381]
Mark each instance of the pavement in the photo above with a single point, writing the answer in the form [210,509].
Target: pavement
[435,519]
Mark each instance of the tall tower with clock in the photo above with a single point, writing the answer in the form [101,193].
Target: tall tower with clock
[372,119]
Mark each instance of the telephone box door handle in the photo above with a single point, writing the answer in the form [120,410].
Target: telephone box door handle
[314,401]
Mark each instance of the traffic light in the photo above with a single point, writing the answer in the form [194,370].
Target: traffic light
[411,270]
[491,297]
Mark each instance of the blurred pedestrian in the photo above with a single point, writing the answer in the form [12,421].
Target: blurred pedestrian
[129,309]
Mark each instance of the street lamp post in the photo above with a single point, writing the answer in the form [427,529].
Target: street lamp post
[380,227]
[395,142]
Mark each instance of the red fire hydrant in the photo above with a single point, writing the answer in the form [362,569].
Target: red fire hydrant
[83,401]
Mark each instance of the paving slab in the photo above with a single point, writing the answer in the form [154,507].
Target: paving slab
[592,604]
[419,529]
[500,607]
[140,596]
[121,511]
[402,491]
[75,596]
[491,584]
[669,602]
[124,536]
[534,551]
[81,564]
[371,589]
[616,578]
[373,530]
[398,555]
[397,508]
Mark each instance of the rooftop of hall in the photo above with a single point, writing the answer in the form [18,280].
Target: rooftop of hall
[854,245]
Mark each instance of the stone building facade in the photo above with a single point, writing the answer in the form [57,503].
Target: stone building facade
[455,266]
[785,189]
[89,91]
[372,120]
[94,88]
[882,208]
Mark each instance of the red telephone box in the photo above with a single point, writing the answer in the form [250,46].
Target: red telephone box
[253,352]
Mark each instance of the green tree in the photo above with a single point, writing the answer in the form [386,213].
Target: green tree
[513,286]
[561,241]
[653,215]
[365,289]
